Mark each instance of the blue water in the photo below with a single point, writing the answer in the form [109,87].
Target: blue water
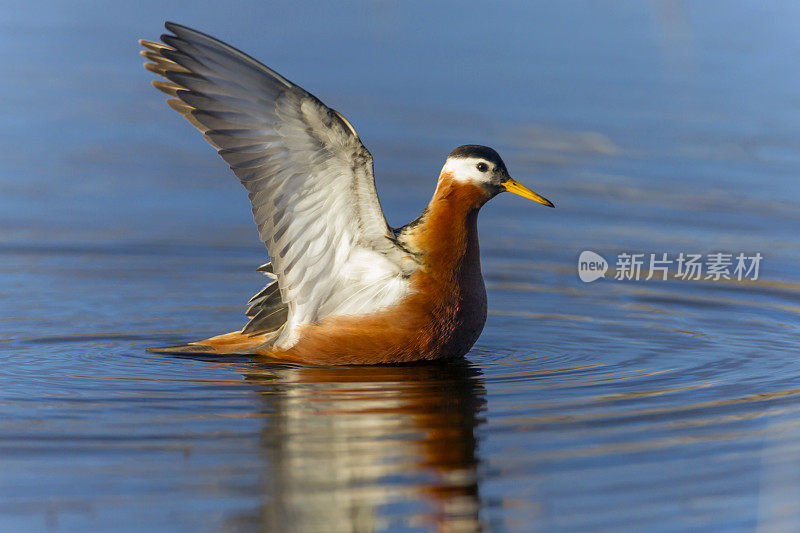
[655,127]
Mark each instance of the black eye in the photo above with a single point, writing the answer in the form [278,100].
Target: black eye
[483,167]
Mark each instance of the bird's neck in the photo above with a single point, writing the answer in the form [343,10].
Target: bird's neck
[446,235]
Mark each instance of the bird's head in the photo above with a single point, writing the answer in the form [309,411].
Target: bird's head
[482,167]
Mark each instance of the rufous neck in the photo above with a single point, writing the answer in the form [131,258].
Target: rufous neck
[449,227]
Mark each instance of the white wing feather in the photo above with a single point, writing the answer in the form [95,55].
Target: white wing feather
[309,177]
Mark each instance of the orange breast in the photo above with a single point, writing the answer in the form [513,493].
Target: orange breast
[444,312]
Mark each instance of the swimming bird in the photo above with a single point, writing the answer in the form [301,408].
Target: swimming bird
[345,288]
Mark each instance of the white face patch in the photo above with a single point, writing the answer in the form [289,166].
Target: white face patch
[465,169]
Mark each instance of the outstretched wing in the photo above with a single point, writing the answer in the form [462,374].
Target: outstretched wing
[310,178]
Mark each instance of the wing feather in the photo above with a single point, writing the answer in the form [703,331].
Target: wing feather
[309,178]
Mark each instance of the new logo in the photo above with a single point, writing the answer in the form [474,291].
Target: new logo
[591,266]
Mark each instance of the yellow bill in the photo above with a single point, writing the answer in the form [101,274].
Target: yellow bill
[515,187]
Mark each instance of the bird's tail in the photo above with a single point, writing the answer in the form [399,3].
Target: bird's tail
[267,314]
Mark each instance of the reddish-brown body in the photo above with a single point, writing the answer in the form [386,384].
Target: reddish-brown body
[443,315]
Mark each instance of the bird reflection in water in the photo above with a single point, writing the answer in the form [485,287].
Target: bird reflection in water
[364,448]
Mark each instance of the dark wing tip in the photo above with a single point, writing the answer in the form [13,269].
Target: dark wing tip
[170,40]
[181,32]
[172,26]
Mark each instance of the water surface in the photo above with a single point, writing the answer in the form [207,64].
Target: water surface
[655,127]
